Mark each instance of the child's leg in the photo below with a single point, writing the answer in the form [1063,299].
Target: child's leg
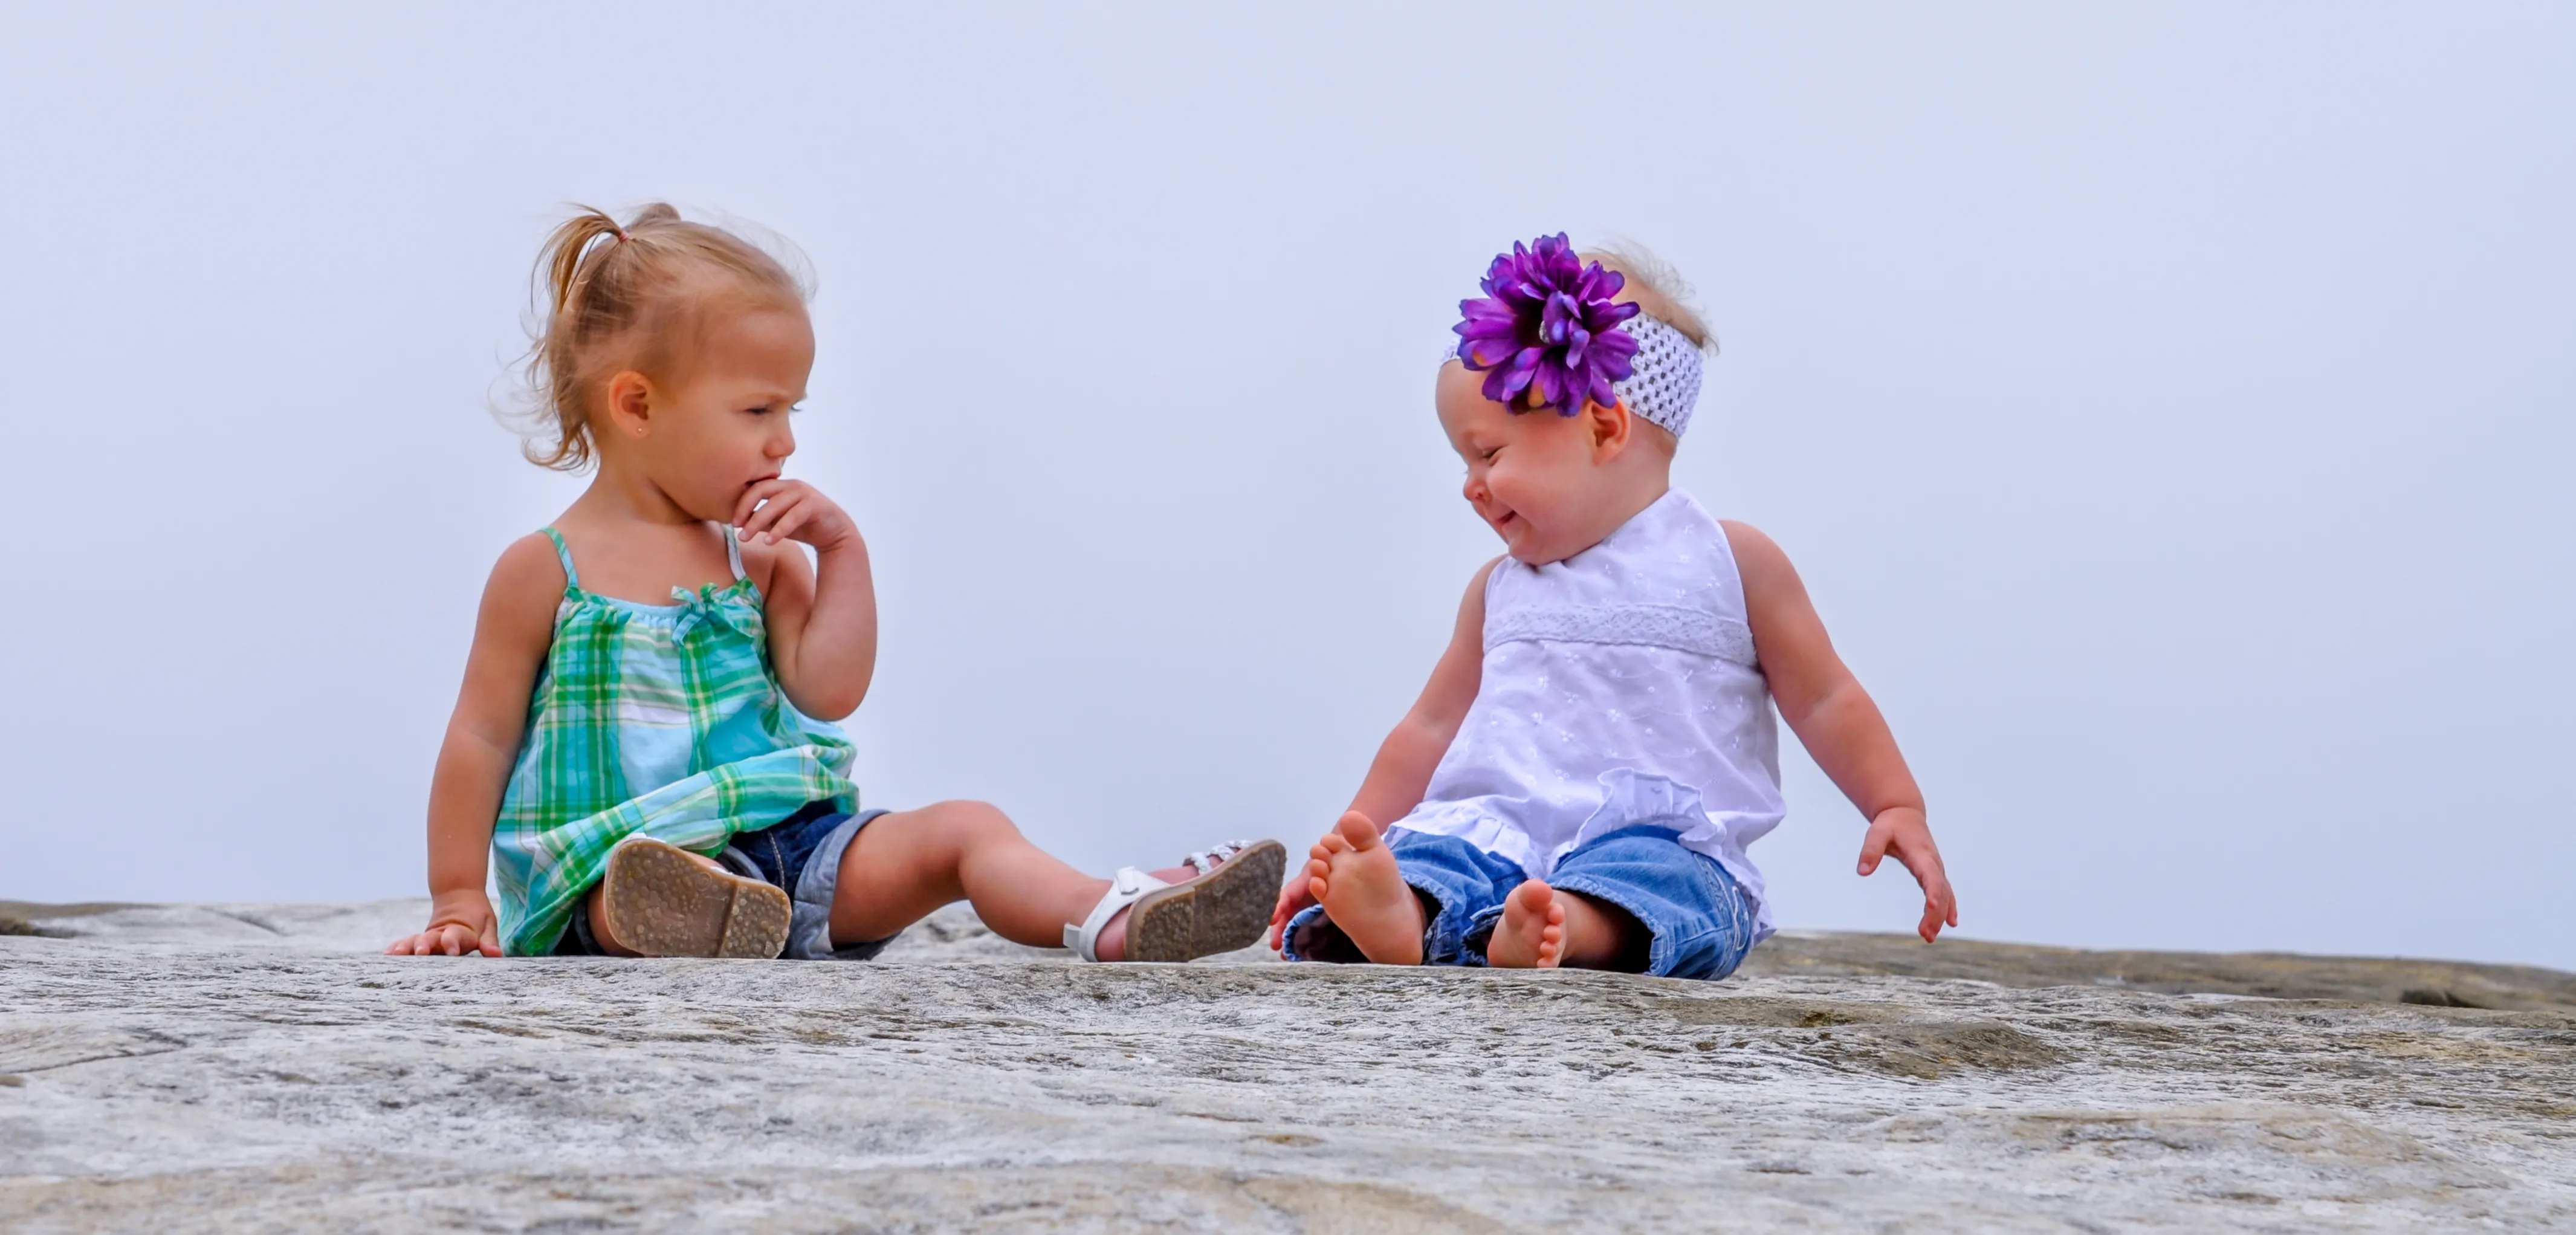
[1633,900]
[903,865]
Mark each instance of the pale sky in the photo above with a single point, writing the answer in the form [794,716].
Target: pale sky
[2169,407]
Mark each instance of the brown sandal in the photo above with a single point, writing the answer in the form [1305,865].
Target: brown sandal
[660,901]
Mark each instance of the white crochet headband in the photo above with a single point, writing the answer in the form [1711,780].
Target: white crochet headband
[1663,385]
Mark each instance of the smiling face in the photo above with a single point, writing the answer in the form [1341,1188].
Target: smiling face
[721,425]
[1551,486]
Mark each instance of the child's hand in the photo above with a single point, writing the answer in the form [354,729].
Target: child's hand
[460,924]
[1901,830]
[1293,900]
[779,509]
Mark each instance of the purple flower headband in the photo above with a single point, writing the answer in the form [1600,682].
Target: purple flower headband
[1546,325]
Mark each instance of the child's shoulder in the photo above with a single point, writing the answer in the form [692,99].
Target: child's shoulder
[1753,549]
[530,564]
[527,582]
[1745,540]
[520,598]
[1761,566]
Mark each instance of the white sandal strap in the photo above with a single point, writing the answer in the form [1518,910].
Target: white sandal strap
[1129,885]
[1206,861]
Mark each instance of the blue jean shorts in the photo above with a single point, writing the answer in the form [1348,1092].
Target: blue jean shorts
[1697,922]
[800,855]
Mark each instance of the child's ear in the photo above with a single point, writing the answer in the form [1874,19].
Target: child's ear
[1611,428]
[630,403]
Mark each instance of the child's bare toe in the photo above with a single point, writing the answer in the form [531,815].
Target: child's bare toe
[1532,932]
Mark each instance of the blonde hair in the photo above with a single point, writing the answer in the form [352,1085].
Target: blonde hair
[1655,287]
[620,296]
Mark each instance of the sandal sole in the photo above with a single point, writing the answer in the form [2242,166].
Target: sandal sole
[660,902]
[1223,911]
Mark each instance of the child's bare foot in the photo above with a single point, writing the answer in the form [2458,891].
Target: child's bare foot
[1532,932]
[1353,875]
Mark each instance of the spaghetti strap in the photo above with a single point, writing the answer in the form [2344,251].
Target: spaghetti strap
[572,578]
[733,552]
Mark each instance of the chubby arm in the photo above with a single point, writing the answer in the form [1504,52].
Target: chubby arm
[1839,723]
[1402,770]
[822,618]
[512,632]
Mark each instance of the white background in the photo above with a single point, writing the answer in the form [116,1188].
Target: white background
[2169,407]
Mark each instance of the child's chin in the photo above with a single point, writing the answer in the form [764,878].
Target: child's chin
[1530,550]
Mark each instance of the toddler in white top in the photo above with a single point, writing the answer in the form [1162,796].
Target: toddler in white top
[1580,780]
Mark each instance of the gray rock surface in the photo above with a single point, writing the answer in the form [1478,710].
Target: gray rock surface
[250,1068]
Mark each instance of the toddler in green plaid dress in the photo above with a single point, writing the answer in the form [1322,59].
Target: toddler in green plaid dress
[652,779]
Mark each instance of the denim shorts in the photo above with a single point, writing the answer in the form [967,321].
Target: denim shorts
[1697,922]
[801,855]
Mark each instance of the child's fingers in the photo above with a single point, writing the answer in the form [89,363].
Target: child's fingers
[1292,899]
[789,523]
[1873,847]
[1940,907]
[752,498]
[753,521]
[769,497]
[774,520]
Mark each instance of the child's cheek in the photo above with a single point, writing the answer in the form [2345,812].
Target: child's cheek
[1515,489]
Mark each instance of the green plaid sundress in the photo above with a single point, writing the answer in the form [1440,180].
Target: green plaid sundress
[650,720]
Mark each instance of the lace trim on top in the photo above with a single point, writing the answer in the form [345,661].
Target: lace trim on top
[1662,626]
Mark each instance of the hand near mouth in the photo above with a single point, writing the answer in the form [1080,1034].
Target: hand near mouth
[778,509]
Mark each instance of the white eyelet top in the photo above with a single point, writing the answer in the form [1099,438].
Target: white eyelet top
[1620,687]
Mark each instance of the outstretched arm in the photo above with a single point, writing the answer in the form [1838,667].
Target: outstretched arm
[1838,721]
[512,632]
[1402,770]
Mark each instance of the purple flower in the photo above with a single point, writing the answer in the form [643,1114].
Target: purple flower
[1547,323]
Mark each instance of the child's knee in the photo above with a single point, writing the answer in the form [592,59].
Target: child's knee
[970,822]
